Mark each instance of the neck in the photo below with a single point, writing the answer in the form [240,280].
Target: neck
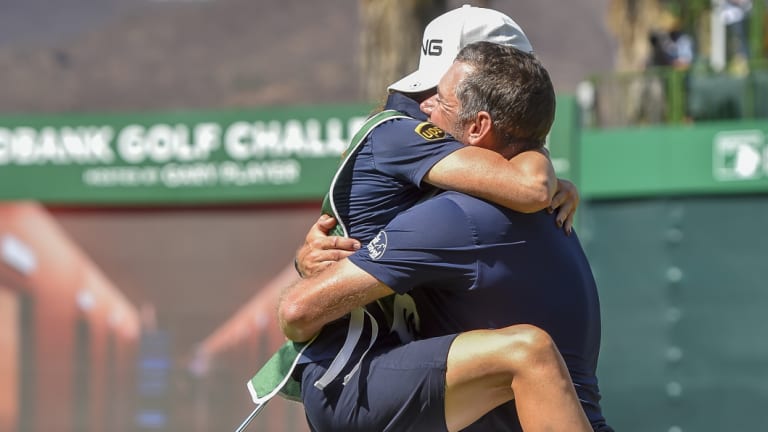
[515,147]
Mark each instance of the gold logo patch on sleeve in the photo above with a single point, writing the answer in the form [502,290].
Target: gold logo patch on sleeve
[428,131]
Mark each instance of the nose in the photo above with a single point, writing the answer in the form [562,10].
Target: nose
[428,105]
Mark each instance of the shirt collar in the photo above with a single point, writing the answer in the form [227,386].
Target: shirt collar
[400,102]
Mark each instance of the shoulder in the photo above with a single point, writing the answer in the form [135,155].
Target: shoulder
[445,205]
[407,129]
[423,233]
[458,204]
[446,214]
[456,212]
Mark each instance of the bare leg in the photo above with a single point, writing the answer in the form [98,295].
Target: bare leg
[487,368]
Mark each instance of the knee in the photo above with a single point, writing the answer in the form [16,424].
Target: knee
[528,346]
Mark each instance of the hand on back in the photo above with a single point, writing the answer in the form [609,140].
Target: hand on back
[321,250]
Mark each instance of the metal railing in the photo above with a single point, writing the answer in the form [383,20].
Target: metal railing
[664,95]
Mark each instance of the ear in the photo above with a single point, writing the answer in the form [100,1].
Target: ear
[480,131]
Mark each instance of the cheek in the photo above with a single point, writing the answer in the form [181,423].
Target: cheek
[440,119]
[436,119]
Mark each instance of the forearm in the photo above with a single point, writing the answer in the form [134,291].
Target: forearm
[306,306]
[300,319]
[525,183]
[531,181]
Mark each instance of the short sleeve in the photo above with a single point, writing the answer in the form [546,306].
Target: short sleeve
[416,248]
[407,149]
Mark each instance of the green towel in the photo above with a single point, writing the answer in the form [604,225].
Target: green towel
[275,376]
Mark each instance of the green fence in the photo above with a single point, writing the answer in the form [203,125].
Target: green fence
[663,95]
[672,221]
[683,291]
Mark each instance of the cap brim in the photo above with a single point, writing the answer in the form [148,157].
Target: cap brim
[416,82]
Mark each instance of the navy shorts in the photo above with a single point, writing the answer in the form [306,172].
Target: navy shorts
[397,388]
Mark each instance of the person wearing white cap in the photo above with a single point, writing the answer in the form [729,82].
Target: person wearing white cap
[468,264]
[442,41]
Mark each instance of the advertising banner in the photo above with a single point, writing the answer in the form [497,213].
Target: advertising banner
[283,154]
[712,158]
[273,154]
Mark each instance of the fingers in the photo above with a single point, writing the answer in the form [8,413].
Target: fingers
[565,216]
[313,265]
[569,225]
[332,243]
[557,200]
[314,261]
[325,223]
[321,250]
[565,202]
[321,227]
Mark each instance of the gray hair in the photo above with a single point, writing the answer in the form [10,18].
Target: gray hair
[513,87]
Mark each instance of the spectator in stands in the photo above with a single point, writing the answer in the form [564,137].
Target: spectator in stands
[670,45]
[735,15]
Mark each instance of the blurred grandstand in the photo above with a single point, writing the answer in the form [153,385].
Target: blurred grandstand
[725,76]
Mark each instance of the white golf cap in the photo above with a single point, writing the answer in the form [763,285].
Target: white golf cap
[447,34]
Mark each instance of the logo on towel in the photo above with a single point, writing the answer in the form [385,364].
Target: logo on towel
[428,131]
[377,246]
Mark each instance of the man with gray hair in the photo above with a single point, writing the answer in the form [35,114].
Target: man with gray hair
[482,281]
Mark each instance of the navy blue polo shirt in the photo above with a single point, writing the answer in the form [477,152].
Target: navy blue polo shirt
[385,179]
[470,264]
[388,169]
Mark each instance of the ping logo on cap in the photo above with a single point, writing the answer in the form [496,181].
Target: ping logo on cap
[428,131]
[432,47]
